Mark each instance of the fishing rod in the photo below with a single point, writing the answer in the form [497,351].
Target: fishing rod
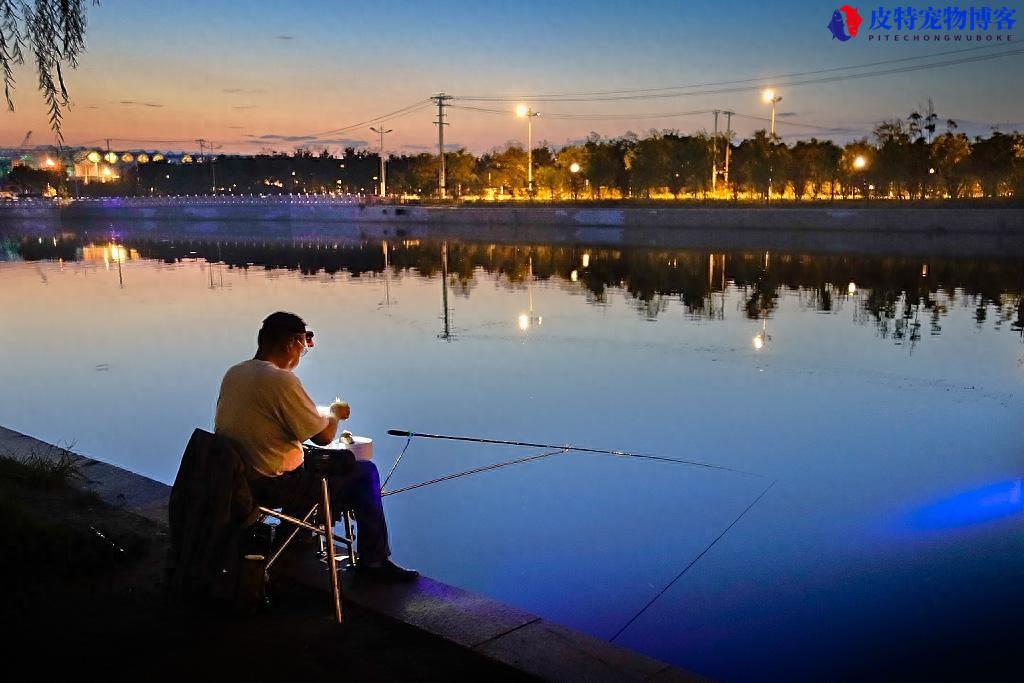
[475,470]
[568,447]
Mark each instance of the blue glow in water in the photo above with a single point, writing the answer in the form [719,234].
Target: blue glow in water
[986,504]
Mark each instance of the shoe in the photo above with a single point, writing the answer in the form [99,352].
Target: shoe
[388,572]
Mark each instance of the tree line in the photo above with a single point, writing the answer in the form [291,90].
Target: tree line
[903,158]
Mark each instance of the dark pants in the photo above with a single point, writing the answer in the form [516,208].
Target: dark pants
[297,491]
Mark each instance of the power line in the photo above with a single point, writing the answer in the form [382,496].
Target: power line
[409,109]
[750,80]
[747,88]
[589,117]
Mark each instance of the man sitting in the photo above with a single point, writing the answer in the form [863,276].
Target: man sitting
[264,408]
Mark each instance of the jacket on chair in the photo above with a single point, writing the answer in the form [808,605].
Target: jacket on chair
[210,505]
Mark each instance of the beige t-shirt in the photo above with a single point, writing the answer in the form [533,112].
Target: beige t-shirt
[266,410]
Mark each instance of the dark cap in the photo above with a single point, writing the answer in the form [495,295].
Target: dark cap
[278,328]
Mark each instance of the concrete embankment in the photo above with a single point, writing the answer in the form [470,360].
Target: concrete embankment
[472,622]
[833,228]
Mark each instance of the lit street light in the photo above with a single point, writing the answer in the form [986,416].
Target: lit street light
[859,164]
[574,169]
[524,112]
[770,96]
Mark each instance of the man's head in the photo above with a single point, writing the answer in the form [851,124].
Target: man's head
[283,339]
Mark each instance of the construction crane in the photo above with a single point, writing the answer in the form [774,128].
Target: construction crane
[25,140]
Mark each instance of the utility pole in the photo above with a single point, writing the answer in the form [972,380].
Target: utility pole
[714,154]
[383,181]
[441,100]
[728,144]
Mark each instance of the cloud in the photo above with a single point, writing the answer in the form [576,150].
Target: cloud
[236,127]
[341,142]
[131,103]
[243,91]
[246,106]
[449,146]
[285,37]
[308,140]
[785,114]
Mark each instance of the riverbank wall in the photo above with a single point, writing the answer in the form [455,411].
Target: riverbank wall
[831,228]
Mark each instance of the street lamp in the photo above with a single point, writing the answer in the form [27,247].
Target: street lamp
[770,96]
[859,164]
[574,169]
[524,112]
[383,178]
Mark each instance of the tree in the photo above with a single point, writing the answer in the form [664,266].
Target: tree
[602,164]
[54,31]
[851,177]
[992,162]
[460,168]
[950,154]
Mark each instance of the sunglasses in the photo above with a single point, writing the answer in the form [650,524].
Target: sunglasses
[309,343]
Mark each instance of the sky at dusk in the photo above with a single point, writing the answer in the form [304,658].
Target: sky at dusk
[266,75]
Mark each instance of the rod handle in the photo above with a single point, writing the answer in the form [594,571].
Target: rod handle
[398,432]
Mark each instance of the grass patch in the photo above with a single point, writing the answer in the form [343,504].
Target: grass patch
[40,471]
[50,529]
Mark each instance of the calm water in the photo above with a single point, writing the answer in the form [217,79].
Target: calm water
[882,395]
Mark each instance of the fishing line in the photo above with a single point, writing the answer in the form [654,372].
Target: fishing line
[692,562]
[623,454]
[397,460]
[476,470]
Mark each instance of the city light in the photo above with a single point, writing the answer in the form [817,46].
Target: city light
[860,162]
[49,163]
[586,260]
[758,342]
[522,111]
[852,288]
[127,158]
[768,95]
[110,157]
[524,321]
[574,167]
[94,157]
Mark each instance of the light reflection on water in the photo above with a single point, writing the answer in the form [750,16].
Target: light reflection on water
[866,385]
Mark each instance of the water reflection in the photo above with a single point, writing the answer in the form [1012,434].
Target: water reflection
[641,349]
[899,296]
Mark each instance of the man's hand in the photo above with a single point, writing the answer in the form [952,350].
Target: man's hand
[341,410]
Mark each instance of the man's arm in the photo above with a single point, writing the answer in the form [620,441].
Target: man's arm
[327,435]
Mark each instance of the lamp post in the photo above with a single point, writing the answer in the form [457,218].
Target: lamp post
[383,171]
[574,169]
[859,164]
[524,112]
[770,96]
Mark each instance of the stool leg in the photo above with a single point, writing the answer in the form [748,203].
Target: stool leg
[348,534]
[332,565]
